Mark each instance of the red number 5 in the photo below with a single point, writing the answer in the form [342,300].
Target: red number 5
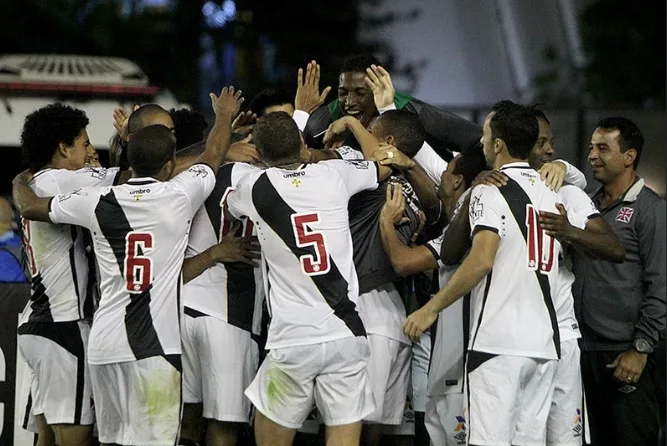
[138,268]
[540,245]
[307,237]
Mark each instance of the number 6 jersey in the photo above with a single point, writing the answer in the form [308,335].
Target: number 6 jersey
[513,308]
[302,225]
[140,232]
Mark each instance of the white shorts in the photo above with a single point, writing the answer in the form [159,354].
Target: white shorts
[407,426]
[219,362]
[565,425]
[389,374]
[508,399]
[444,419]
[138,402]
[333,374]
[60,387]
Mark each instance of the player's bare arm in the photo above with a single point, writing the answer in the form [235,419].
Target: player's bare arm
[473,269]
[232,248]
[308,97]
[597,240]
[404,259]
[225,108]
[28,204]
[456,241]
[421,183]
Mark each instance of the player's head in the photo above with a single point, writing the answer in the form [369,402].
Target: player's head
[147,115]
[189,127]
[509,132]
[543,149]
[151,152]
[277,138]
[461,172]
[401,129]
[56,135]
[354,96]
[615,148]
[272,100]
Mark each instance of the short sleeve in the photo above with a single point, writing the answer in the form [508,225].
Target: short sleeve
[76,207]
[350,154]
[434,246]
[239,199]
[301,119]
[197,182]
[486,210]
[574,176]
[580,208]
[69,180]
[431,162]
[356,175]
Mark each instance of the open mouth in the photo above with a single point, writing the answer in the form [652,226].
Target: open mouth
[354,113]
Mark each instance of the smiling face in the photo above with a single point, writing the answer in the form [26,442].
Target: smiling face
[543,149]
[355,98]
[487,141]
[79,152]
[605,157]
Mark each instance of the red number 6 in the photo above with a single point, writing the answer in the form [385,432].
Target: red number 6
[138,268]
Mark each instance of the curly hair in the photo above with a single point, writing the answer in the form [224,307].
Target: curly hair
[189,126]
[46,128]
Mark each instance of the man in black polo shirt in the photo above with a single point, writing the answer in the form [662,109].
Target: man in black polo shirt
[621,307]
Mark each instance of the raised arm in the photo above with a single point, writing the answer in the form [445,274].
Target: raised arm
[225,108]
[28,204]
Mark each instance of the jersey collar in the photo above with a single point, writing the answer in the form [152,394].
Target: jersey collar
[516,165]
[141,181]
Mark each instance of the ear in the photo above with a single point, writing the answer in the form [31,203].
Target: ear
[168,169]
[498,145]
[458,181]
[62,150]
[629,157]
[391,140]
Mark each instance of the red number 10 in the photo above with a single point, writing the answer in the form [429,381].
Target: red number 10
[540,245]
[306,237]
[138,268]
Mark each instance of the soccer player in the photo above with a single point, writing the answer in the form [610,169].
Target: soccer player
[55,324]
[140,234]
[514,338]
[223,296]
[380,304]
[317,342]
[444,406]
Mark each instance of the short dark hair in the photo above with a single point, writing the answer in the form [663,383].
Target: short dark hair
[189,127]
[267,98]
[539,114]
[358,63]
[46,128]
[630,136]
[139,117]
[277,137]
[471,163]
[150,148]
[406,128]
[516,125]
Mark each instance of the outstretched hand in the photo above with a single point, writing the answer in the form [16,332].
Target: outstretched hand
[228,103]
[379,81]
[308,97]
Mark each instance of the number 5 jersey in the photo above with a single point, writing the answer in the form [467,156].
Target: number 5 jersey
[301,219]
[140,232]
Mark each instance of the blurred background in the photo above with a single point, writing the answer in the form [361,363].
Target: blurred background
[580,59]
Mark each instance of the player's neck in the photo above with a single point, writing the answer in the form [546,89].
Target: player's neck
[505,158]
[615,189]
[290,164]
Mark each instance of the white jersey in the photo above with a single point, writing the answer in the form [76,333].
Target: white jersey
[513,308]
[140,232]
[303,227]
[231,292]
[580,209]
[56,253]
[446,369]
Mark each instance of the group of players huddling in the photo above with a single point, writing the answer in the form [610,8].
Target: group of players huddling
[335,219]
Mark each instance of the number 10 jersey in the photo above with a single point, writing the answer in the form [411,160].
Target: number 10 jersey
[513,308]
[140,232]
[302,224]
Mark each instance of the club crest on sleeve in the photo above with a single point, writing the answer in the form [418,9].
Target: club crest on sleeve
[198,171]
[624,214]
